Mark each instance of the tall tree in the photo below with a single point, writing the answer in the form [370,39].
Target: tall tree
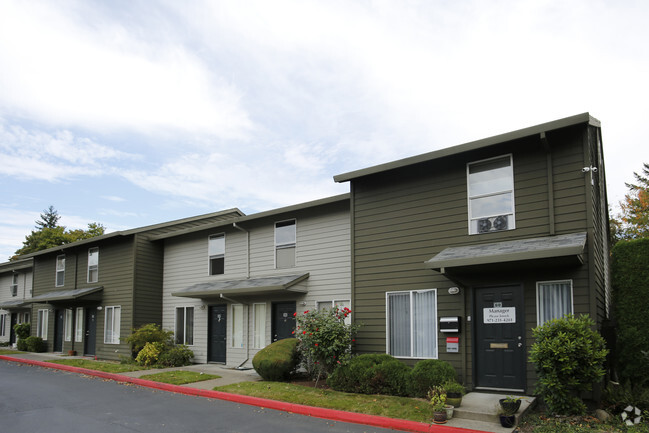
[634,217]
[49,234]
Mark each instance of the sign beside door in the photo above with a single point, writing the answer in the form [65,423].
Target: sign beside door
[499,315]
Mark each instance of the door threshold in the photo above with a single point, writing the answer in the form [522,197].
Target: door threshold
[485,388]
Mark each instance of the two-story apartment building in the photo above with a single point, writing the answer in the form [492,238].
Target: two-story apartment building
[89,295]
[458,253]
[235,286]
[15,292]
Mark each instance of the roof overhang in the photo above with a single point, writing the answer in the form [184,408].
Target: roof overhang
[536,252]
[249,286]
[87,294]
[584,118]
[14,304]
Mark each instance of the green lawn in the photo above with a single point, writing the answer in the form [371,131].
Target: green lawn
[105,366]
[9,351]
[179,377]
[394,407]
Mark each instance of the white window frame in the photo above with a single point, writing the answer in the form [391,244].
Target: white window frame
[511,220]
[286,245]
[3,324]
[114,330]
[539,304]
[42,325]
[259,338]
[94,266]
[219,255]
[183,339]
[332,304]
[60,270]
[412,345]
[14,285]
[78,325]
[237,339]
[67,324]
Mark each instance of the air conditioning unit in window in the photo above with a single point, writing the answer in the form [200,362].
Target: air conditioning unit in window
[493,224]
[14,289]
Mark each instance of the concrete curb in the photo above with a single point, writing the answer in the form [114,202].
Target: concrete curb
[317,412]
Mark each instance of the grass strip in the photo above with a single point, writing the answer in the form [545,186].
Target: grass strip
[179,377]
[105,366]
[394,407]
[9,352]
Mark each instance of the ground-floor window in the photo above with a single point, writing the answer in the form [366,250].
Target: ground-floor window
[78,325]
[259,313]
[412,324]
[41,326]
[340,303]
[553,300]
[185,325]
[112,324]
[67,325]
[237,326]
[3,324]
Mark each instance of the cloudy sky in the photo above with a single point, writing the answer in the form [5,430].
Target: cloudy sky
[130,113]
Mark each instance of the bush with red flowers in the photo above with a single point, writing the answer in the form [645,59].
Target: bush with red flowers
[325,340]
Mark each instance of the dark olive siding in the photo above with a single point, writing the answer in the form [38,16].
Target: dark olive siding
[405,216]
[148,282]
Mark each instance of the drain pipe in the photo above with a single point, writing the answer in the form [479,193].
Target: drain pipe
[247,247]
[240,366]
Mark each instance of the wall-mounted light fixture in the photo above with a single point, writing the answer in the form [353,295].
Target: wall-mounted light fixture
[453,290]
[304,303]
[100,308]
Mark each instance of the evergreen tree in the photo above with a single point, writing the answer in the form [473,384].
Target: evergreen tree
[633,222]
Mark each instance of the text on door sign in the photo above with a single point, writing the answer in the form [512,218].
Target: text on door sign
[499,315]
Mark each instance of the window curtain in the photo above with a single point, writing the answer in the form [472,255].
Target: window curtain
[399,323]
[424,325]
[260,325]
[555,300]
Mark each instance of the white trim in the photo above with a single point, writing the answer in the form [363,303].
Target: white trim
[538,303]
[42,323]
[511,221]
[115,336]
[387,323]
[3,324]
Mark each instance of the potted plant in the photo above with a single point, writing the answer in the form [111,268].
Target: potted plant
[454,392]
[449,410]
[510,404]
[437,397]
[507,419]
[72,353]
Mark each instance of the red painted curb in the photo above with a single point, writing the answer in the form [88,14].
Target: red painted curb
[317,412]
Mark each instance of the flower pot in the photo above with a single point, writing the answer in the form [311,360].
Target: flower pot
[449,411]
[439,417]
[507,421]
[72,353]
[511,407]
[454,399]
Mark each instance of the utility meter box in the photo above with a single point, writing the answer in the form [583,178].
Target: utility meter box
[449,324]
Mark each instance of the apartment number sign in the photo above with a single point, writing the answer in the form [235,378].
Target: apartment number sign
[497,315]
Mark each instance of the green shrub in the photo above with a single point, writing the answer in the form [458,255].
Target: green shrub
[277,361]
[150,353]
[630,280]
[176,356]
[372,374]
[430,373]
[149,333]
[35,344]
[21,345]
[22,330]
[325,340]
[569,357]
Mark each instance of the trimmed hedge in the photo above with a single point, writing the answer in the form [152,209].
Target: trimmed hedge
[35,344]
[630,278]
[278,360]
[384,374]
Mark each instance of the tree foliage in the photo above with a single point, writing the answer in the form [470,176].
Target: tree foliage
[49,234]
[633,221]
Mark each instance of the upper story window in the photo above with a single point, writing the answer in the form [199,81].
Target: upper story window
[60,270]
[93,265]
[491,195]
[285,241]
[14,285]
[216,253]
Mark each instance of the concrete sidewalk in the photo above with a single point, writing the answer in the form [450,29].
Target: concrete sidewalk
[464,423]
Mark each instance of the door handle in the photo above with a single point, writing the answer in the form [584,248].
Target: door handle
[520,344]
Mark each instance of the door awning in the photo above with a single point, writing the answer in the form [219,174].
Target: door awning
[68,295]
[248,286]
[17,303]
[546,251]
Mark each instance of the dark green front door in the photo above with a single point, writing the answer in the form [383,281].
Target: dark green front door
[58,331]
[499,338]
[283,320]
[90,335]
[217,333]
